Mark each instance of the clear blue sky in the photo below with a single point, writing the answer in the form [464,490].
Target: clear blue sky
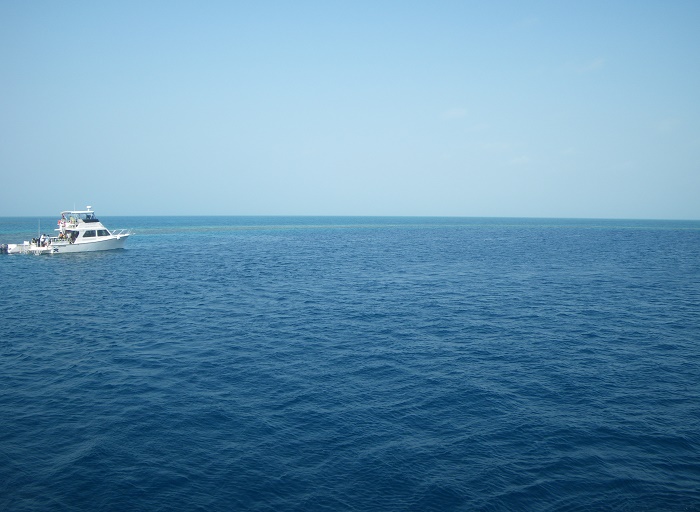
[525,109]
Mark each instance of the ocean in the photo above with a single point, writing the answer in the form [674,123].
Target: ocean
[353,363]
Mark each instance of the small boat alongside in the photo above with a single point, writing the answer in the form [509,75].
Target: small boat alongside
[78,231]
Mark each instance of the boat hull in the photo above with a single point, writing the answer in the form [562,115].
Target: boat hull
[107,244]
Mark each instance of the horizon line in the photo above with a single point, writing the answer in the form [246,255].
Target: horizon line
[412,216]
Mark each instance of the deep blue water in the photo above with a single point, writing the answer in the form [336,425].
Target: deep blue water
[232,363]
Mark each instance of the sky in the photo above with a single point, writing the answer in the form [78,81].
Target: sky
[447,108]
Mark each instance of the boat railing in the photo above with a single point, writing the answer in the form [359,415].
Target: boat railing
[122,232]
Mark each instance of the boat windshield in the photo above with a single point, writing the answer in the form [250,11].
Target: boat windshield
[85,216]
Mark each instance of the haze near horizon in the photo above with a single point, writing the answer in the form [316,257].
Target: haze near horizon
[493,109]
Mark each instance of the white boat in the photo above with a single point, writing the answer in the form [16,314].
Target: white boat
[78,231]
